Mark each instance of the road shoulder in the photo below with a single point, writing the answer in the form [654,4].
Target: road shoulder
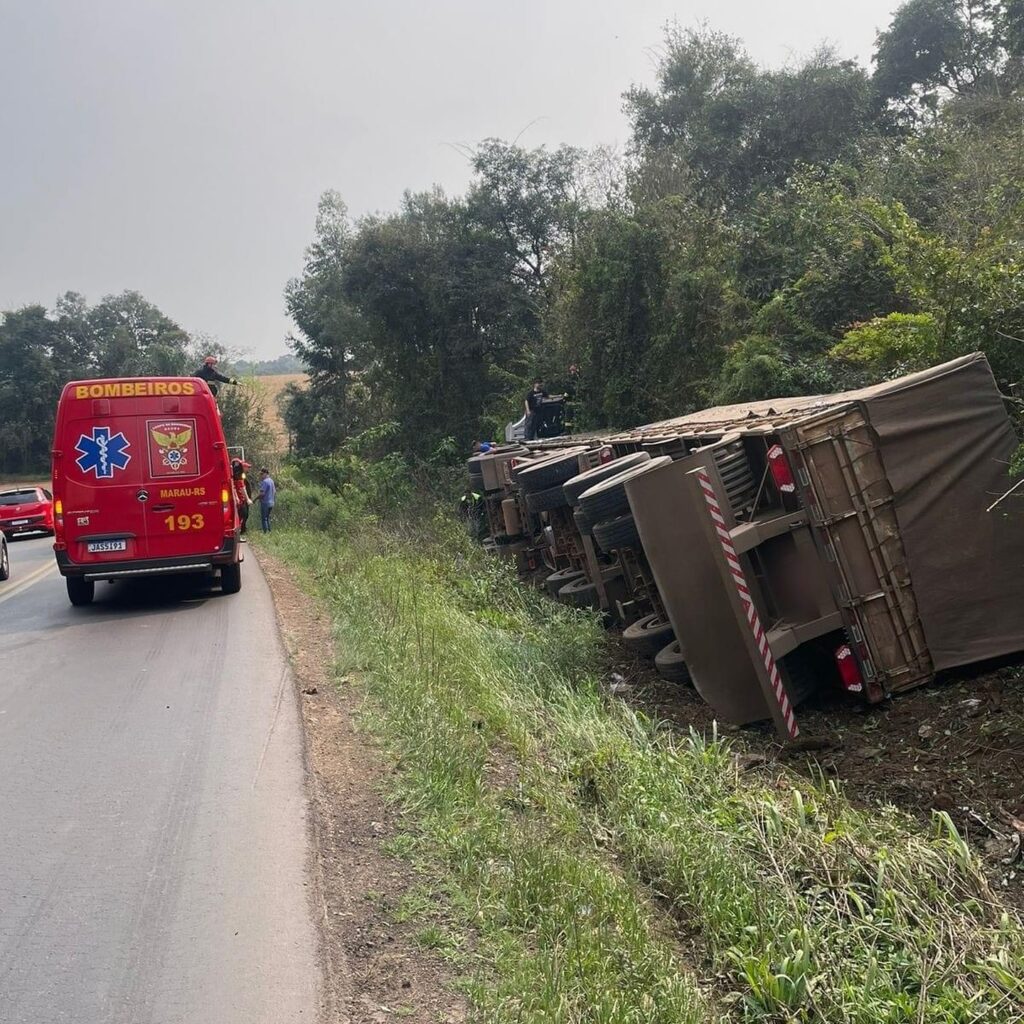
[374,970]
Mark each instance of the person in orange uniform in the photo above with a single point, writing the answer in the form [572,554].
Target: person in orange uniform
[243,499]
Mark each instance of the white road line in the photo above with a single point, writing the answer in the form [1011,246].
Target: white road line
[12,590]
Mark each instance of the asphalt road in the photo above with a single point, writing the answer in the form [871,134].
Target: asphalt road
[153,819]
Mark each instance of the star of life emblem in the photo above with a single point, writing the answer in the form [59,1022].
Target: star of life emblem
[103,453]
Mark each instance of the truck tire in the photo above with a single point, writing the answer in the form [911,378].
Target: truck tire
[648,635]
[608,499]
[80,591]
[546,500]
[550,472]
[616,533]
[578,484]
[231,578]
[5,562]
[671,665]
[554,583]
[580,593]
[583,524]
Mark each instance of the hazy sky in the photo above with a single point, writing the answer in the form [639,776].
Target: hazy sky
[179,147]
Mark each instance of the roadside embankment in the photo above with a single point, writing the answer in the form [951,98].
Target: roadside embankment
[578,862]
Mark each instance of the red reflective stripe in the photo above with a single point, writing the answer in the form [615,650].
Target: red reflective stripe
[740,582]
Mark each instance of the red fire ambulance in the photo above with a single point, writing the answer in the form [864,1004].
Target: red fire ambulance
[142,484]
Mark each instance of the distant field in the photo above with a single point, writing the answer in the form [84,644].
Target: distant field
[272,386]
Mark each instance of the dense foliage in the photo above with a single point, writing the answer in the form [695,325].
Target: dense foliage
[121,336]
[770,231]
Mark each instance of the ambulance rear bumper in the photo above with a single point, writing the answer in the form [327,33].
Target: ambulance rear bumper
[138,567]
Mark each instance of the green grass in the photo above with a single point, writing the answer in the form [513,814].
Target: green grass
[606,870]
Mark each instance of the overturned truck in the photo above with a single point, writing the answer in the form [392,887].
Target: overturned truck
[769,548]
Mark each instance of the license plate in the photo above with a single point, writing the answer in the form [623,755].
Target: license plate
[18,522]
[107,545]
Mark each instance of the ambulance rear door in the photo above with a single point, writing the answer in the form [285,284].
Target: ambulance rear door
[185,462]
[102,483]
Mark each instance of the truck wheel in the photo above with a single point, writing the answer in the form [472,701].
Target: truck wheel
[547,500]
[581,593]
[231,578]
[554,583]
[616,533]
[578,484]
[671,665]
[648,635]
[608,499]
[550,472]
[80,591]
[5,562]
[583,524]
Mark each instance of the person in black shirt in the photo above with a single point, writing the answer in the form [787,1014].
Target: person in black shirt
[211,376]
[534,397]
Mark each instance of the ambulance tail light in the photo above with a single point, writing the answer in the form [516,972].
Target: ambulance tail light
[59,537]
[58,525]
[228,507]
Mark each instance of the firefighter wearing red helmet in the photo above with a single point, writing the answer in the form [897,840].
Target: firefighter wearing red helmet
[208,372]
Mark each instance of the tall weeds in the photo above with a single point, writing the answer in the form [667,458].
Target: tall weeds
[615,871]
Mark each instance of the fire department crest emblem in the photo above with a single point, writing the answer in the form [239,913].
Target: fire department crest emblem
[172,448]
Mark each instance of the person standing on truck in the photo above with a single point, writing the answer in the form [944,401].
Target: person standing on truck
[243,499]
[268,498]
[208,373]
[531,403]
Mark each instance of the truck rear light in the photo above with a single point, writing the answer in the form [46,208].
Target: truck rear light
[780,469]
[849,670]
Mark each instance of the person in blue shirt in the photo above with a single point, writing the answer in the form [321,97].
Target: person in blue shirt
[268,497]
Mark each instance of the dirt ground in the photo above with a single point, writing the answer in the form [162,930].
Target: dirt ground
[375,969]
[956,745]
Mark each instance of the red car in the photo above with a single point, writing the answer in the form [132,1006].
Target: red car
[26,510]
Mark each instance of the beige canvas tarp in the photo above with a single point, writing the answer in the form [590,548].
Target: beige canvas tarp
[946,441]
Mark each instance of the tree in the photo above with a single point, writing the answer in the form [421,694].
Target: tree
[331,339]
[530,198]
[33,369]
[934,49]
[642,308]
[734,129]
[444,309]
[130,337]
[123,335]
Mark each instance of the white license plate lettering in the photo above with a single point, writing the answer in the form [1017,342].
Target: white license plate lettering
[107,545]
